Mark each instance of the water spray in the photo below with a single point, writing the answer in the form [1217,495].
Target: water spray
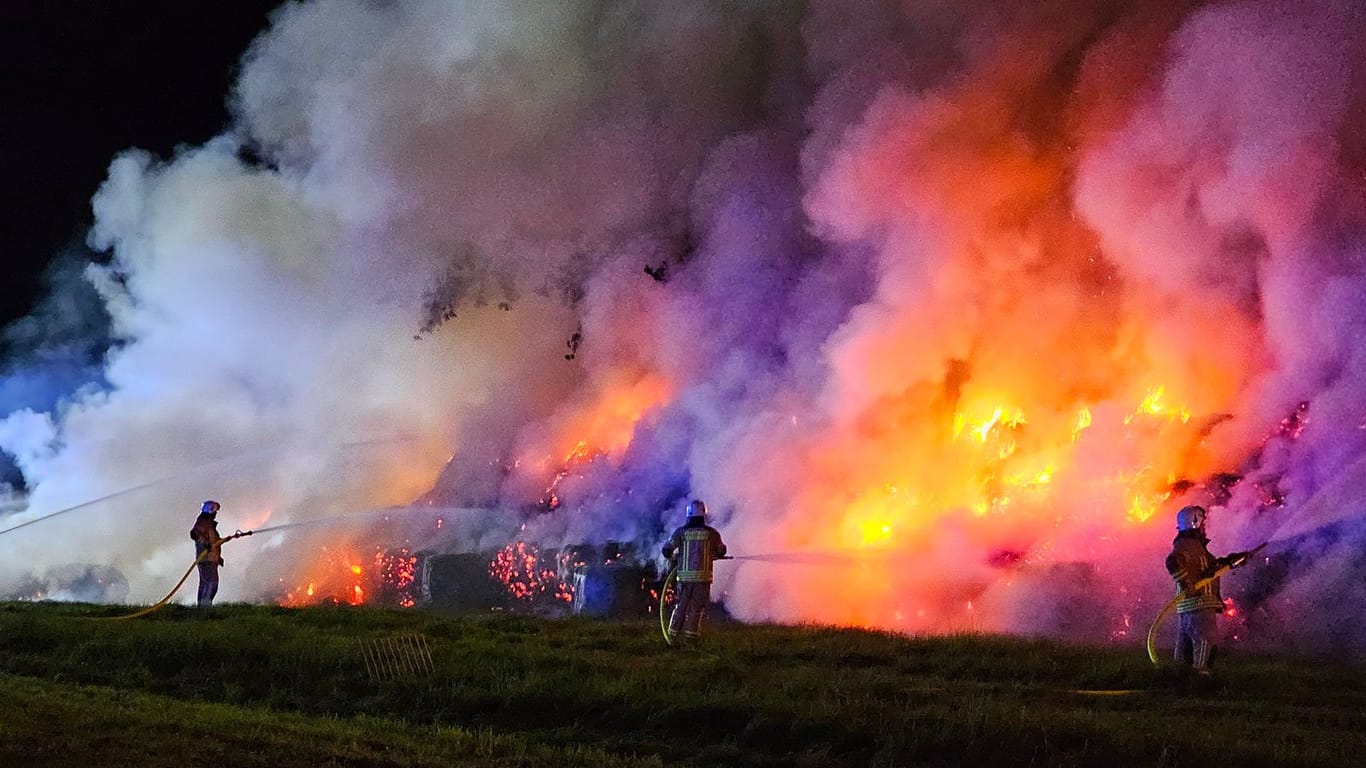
[811,557]
[90,503]
[831,557]
[354,516]
[193,470]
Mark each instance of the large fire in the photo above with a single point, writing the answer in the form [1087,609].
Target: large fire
[945,306]
[602,429]
[1004,480]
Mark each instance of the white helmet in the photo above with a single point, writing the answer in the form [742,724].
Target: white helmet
[1190,518]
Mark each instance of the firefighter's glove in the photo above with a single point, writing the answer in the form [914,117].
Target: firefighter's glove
[1233,559]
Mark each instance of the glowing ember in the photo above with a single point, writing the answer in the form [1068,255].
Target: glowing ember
[397,575]
[550,500]
[518,567]
[1292,426]
[1125,628]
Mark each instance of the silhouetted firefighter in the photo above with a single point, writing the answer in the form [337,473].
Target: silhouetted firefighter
[692,549]
[208,552]
[1198,608]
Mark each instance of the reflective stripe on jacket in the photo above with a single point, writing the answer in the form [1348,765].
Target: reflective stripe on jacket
[1190,561]
[695,547]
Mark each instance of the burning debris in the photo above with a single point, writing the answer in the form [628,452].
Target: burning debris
[519,568]
[953,287]
[612,581]
[397,574]
[341,580]
[595,580]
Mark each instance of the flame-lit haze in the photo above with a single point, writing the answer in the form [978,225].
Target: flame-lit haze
[968,298]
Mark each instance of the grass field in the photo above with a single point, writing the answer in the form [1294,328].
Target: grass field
[265,686]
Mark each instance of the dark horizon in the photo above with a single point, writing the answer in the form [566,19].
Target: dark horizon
[86,81]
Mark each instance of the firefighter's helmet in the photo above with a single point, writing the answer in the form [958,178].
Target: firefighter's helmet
[697,508]
[209,507]
[1190,518]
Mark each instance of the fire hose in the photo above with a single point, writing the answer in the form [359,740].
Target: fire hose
[198,559]
[664,617]
[1223,568]
[663,597]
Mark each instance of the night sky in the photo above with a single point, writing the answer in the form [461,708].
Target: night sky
[86,80]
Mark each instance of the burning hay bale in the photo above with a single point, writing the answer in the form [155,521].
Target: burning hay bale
[460,582]
[615,590]
[611,580]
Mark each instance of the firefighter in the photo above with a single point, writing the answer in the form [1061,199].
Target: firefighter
[208,551]
[1197,609]
[691,550]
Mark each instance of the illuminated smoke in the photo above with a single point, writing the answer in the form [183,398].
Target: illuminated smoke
[974,295]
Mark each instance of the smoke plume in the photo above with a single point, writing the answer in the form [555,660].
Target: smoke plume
[973,294]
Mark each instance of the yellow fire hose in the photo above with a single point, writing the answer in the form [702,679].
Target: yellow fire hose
[669,581]
[663,594]
[1196,587]
[163,601]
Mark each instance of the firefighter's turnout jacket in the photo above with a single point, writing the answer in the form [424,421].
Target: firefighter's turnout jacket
[1190,561]
[205,536]
[695,545]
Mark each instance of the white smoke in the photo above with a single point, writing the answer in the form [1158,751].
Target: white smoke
[860,219]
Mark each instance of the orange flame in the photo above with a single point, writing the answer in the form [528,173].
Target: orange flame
[603,428]
[334,577]
[608,424]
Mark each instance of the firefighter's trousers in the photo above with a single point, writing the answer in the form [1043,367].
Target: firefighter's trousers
[208,583]
[1197,640]
[693,597]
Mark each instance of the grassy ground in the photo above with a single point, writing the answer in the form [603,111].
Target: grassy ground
[255,685]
